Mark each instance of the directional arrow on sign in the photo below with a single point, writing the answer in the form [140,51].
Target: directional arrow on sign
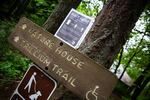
[77,72]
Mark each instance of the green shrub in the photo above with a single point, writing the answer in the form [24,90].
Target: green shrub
[12,63]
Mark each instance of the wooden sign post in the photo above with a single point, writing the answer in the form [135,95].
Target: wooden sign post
[77,72]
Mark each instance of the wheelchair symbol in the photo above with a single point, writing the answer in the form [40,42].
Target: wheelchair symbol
[93,93]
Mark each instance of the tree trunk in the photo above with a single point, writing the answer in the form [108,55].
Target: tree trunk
[111,29]
[139,89]
[21,7]
[141,82]
[137,50]
[59,14]
[52,24]
[119,62]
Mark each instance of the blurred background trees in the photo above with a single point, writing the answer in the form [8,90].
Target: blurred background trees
[134,56]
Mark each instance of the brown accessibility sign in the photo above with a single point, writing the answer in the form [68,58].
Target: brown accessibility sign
[36,85]
[77,72]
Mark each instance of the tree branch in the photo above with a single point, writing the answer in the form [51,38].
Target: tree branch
[120,58]
[136,52]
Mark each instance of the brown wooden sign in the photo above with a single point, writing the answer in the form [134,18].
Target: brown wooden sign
[36,85]
[74,70]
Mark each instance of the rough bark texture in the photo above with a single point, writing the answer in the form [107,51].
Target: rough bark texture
[52,24]
[59,14]
[109,33]
[111,29]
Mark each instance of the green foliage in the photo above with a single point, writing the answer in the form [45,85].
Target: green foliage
[90,8]
[12,64]
[138,45]
[137,64]
[122,88]
[145,95]
[39,10]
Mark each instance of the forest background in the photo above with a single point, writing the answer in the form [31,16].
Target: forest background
[134,56]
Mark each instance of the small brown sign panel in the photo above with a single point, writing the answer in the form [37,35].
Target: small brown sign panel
[36,85]
[77,72]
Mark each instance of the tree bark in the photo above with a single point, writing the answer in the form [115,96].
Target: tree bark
[134,54]
[59,14]
[119,62]
[111,29]
[52,24]
[141,82]
[138,90]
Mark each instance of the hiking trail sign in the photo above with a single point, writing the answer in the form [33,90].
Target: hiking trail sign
[75,71]
[36,85]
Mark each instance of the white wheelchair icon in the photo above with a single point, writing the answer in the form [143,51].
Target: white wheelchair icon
[92,93]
